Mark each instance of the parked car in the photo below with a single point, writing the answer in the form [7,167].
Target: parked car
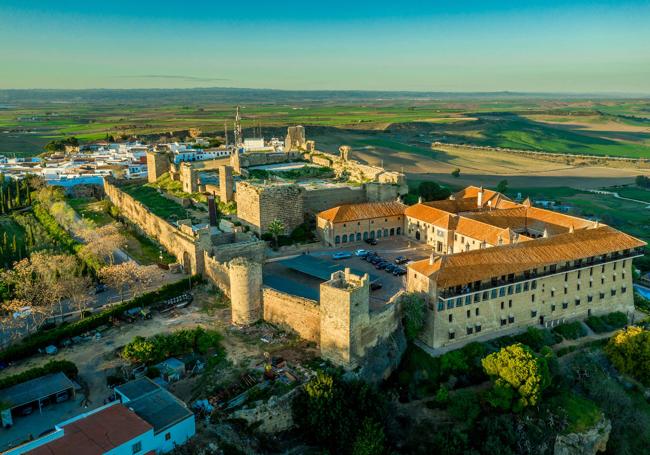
[390,268]
[399,271]
[369,256]
[342,255]
[401,260]
[380,265]
[361,253]
[371,241]
[375,259]
[375,285]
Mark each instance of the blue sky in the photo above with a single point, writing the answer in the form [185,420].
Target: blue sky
[541,46]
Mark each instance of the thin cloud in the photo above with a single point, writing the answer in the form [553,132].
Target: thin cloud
[175,77]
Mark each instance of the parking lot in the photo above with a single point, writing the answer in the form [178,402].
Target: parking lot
[299,278]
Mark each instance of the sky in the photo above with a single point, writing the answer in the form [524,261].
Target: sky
[457,46]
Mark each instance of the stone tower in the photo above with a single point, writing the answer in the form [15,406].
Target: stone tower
[226,184]
[245,290]
[344,311]
[295,140]
[157,164]
[189,178]
[344,150]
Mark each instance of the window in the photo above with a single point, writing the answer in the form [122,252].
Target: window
[590,298]
[518,288]
[137,447]
[566,277]
[511,319]
[533,313]
[469,313]
[450,304]
[602,280]
[168,436]
[470,330]
[486,295]
[451,318]
[441,306]
[601,295]
[510,289]
[591,271]
[532,298]
[477,297]
[579,273]
[526,286]
[578,286]
[503,321]
[533,284]
[502,292]
[459,301]
[509,303]
[613,292]
[552,308]
[552,292]
[502,305]
[577,302]
[476,312]
[565,305]
[477,327]
[452,335]
[566,289]
[623,290]
[468,299]
[493,294]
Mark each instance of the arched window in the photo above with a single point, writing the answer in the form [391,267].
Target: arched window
[378,233]
[392,231]
[399,231]
[358,236]
[372,234]
[385,232]
[345,238]
[337,239]
[417,235]
[365,235]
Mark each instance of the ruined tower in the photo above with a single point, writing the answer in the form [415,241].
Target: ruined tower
[295,140]
[245,290]
[189,178]
[157,164]
[344,150]
[344,310]
[226,184]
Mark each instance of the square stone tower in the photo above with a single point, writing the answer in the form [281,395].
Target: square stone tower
[157,164]
[226,184]
[344,311]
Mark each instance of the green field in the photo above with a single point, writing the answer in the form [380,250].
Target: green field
[159,205]
[137,245]
[552,125]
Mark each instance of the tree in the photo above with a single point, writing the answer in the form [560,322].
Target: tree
[456,172]
[102,242]
[77,289]
[127,276]
[629,351]
[276,228]
[194,132]
[431,191]
[413,315]
[370,440]
[519,376]
[502,187]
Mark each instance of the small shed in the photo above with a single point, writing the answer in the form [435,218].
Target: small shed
[171,369]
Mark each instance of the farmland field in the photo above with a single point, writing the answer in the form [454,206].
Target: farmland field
[595,127]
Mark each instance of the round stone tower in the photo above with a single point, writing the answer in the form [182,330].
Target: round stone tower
[245,290]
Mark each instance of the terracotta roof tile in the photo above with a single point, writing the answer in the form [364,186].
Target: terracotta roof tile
[96,434]
[467,267]
[353,212]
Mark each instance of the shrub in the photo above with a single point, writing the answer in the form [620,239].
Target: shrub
[607,323]
[536,338]
[53,366]
[519,376]
[30,344]
[159,347]
[413,314]
[628,351]
[571,330]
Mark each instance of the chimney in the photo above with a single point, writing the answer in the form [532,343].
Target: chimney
[431,259]
[571,229]
[479,202]
[420,200]
[545,235]
[212,210]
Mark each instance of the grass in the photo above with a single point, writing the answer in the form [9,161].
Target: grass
[91,209]
[581,413]
[157,203]
[632,192]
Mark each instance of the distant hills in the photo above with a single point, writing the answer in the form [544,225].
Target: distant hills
[215,95]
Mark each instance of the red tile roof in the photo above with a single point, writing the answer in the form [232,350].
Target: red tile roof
[97,433]
[369,210]
[482,264]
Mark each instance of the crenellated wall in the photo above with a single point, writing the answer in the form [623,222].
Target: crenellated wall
[292,312]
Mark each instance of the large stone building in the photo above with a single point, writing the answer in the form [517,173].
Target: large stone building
[498,266]
[357,222]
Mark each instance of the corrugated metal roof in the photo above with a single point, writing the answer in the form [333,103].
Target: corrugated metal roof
[35,389]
